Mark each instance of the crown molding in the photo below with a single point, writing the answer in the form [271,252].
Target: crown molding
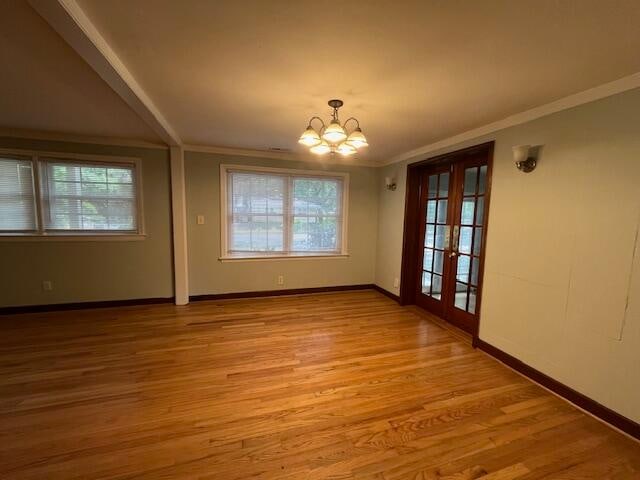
[270,154]
[68,19]
[587,96]
[76,138]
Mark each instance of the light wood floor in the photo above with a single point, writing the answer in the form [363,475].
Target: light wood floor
[337,386]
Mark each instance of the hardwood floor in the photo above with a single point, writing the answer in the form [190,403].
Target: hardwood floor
[336,386]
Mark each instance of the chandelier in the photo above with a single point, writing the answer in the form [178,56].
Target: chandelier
[334,137]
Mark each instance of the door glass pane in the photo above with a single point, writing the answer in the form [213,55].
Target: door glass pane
[483,179]
[440,236]
[480,211]
[464,263]
[427,259]
[443,190]
[436,288]
[428,236]
[431,211]
[477,240]
[464,242]
[472,300]
[470,179]
[438,263]
[461,296]
[433,186]
[475,268]
[426,283]
[442,211]
[468,207]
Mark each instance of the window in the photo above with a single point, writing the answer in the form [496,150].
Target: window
[276,212]
[49,195]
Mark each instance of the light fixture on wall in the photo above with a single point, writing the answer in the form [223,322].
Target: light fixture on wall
[333,138]
[390,183]
[525,162]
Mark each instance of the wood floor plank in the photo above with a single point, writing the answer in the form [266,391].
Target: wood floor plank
[334,386]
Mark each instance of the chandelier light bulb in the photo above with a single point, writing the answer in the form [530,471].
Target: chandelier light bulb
[321,148]
[346,149]
[310,137]
[357,139]
[334,133]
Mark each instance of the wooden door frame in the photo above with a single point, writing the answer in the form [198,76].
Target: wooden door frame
[411,242]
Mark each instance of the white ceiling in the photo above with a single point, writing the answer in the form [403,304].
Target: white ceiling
[45,85]
[249,73]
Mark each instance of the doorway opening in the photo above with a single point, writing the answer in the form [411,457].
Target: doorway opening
[445,230]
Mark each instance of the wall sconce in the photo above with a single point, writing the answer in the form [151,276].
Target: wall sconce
[390,183]
[525,159]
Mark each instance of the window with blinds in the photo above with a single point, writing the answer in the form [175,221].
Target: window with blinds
[17,195]
[281,212]
[88,197]
[48,196]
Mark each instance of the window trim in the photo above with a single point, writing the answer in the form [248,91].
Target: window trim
[109,235]
[224,255]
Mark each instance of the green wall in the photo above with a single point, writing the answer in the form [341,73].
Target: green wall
[83,271]
[207,275]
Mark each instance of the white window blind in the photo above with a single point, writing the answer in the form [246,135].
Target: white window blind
[80,196]
[272,213]
[17,195]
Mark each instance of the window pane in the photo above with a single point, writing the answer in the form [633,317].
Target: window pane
[443,188]
[472,300]
[429,236]
[438,263]
[427,259]
[433,186]
[483,179]
[87,197]
[426,282]
[17,197]
[442,211]
[431,211]
[470,178]
[475,268]
[477,241]
[257,212]
[464,263]
[480,211]
[461,296]
[464,242]
[436,287]
[317,208]
[468,206]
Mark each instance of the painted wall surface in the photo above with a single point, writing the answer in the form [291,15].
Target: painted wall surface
[83,271]
[207,275]
[562,272]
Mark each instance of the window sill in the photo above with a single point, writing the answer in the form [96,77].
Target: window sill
[261,258]
[76,237]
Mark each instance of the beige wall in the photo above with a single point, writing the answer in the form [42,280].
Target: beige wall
[207,275]
[561,283]
[93,271]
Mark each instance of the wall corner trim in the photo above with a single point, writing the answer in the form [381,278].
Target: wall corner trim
[596,409]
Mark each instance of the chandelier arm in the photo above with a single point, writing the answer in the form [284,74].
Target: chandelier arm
[321,121]
[344,125]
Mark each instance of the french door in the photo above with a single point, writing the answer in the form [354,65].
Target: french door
[452,223]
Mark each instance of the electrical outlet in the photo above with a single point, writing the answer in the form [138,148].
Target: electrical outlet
[280,279]
[47,285]
[396,282]
[200,219]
